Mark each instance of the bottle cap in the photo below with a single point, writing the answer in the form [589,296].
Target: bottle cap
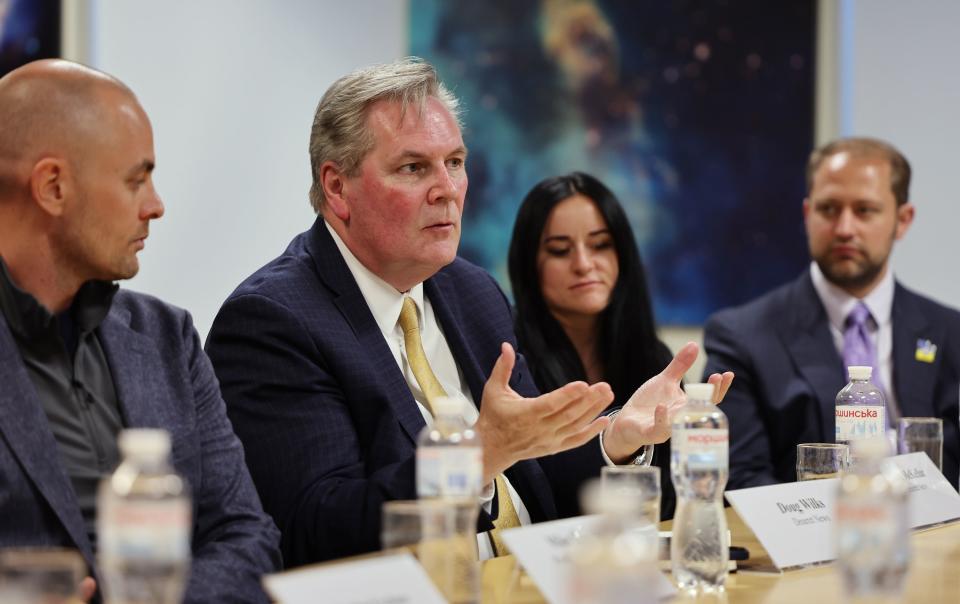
[699,392]
[859,372]
[143,443]
[447,405]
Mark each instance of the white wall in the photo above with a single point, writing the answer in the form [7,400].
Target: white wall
[231,86]
[902,85]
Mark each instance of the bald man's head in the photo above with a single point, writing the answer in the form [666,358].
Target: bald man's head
[76,164]
[52,108]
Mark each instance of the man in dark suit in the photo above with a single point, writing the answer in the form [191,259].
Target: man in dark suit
[319,375]
[788,347]
[80,360]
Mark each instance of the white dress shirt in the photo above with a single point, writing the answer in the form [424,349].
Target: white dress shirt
[385,303]
[879,302]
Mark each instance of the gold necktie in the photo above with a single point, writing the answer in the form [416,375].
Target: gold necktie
[506,516]
[415,356]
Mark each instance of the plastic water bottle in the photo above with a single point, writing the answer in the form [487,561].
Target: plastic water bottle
[872,530]
[860,408]
[450,468]
[449,454]
[614,560]
[699,547]
[144,524]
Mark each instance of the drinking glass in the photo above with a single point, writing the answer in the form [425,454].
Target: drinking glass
[40,575]
[921,434]
[443,535]
[642,482]
[816,461]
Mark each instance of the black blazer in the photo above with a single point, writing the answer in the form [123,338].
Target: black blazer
[788,375]
[163,380]
[326,417]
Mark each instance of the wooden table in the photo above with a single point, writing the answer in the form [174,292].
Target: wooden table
[934,574]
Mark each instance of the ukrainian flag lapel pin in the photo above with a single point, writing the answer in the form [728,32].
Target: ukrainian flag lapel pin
[926,351]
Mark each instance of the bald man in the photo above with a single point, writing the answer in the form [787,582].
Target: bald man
[80,359]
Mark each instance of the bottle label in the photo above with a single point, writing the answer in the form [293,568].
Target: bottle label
[863,525]
[703,448]
[873,536]
[449,471]
[854,422]
[865,514]
[146,530]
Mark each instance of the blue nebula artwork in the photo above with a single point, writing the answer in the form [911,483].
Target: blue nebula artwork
[697,114]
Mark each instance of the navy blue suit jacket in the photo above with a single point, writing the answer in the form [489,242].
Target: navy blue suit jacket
[328,421]
[789,372]
[163,380]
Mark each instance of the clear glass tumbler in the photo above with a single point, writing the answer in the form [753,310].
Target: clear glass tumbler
[817,461]
[921,434]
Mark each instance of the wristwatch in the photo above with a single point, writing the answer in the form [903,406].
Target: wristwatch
[644,456]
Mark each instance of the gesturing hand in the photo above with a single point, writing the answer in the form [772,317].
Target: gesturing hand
[513,428]
[647,416]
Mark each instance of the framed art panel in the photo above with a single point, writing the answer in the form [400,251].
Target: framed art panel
[697,114]
[29,30]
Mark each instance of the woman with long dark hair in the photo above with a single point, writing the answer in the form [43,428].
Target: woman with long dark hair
[582,302]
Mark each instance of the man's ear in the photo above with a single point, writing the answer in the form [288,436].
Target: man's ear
[51,185]
[335,190]
[905,215]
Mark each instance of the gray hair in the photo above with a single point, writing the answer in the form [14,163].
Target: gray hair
[340,134]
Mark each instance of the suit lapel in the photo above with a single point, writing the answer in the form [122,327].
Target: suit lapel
[447,309]
[26,430]
[334,273]
[814,353]
[135,367]
[913,380]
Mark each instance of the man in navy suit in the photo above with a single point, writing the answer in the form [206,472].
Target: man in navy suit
[80,360]
[787,346]
[314,365]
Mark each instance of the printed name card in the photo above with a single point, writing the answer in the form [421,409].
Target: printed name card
[396,579]
[932,499]
[793,521]
[544,551]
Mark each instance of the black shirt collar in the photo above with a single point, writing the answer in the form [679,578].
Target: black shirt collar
[28,319]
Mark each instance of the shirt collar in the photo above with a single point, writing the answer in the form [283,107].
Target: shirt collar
[383,299]
[839,303]
[29,319]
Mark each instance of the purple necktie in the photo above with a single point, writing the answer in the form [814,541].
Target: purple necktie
[858,346]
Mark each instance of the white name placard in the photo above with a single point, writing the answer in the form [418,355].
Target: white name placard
[544,551]
[932,499]
[793,521]
[396,579]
